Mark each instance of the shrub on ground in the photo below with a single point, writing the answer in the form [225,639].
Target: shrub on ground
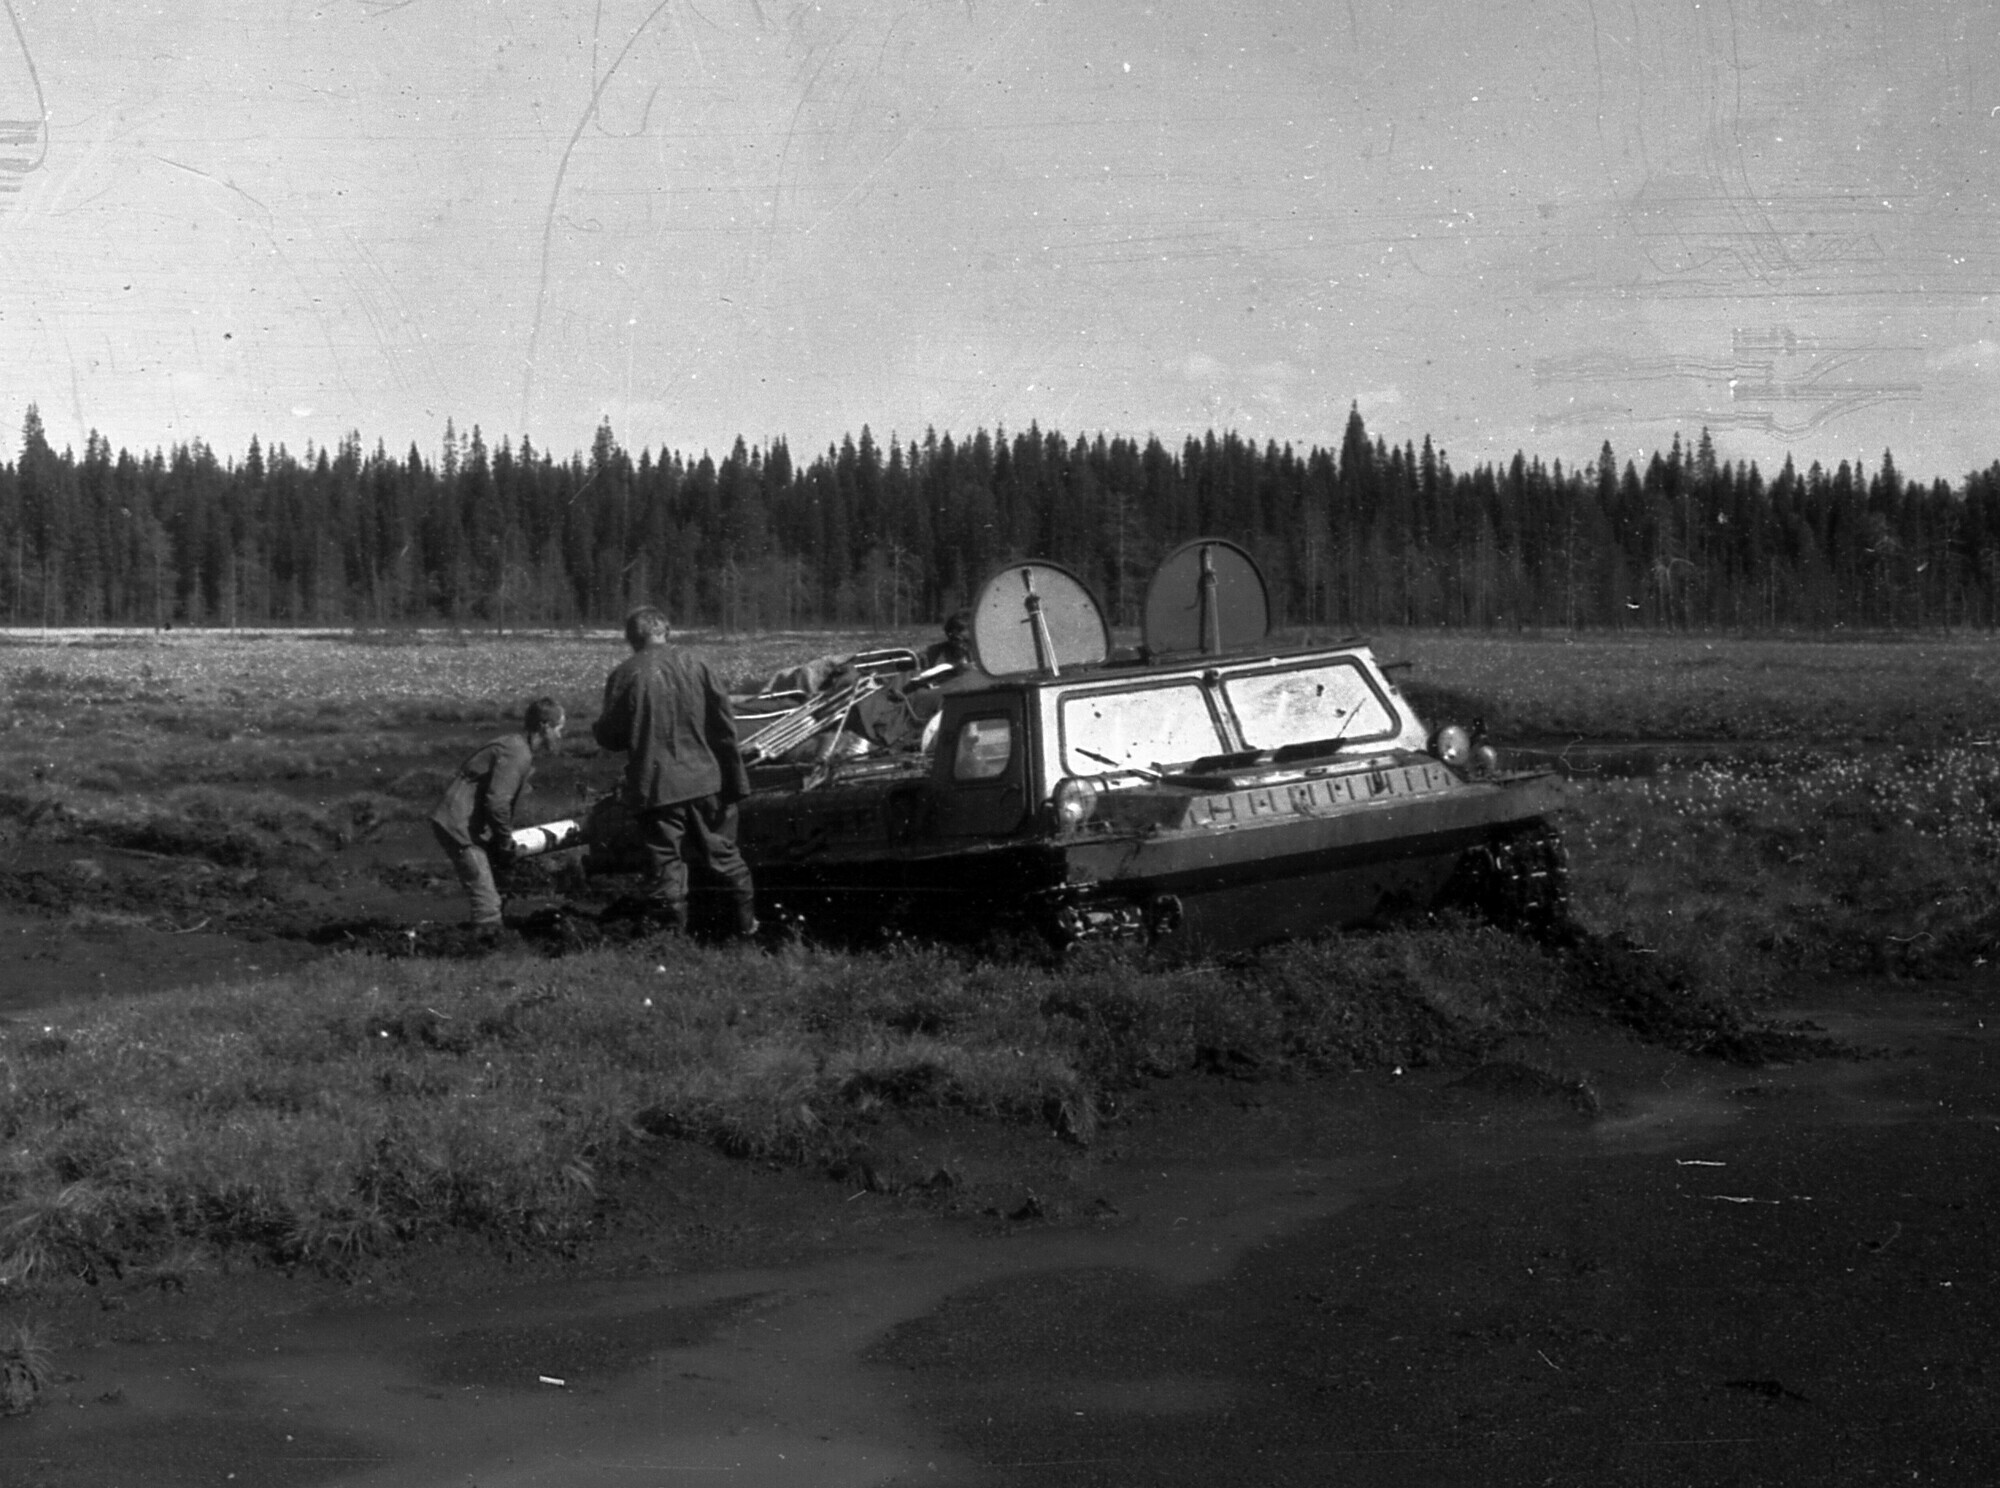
[26,1369]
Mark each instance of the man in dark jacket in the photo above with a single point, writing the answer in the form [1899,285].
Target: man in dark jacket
[474,822]
[670,718]
[955,650]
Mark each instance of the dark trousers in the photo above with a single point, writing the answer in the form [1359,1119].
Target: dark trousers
[475,871]
[701,832]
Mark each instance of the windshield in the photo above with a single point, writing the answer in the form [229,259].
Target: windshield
[1143,729]
[1330,700]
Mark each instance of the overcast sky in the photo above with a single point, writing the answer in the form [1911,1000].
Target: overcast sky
[1534,226]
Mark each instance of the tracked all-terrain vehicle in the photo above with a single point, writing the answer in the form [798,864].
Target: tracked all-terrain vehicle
[1207,788]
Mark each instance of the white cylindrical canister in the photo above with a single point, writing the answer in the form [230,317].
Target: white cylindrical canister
[548,837]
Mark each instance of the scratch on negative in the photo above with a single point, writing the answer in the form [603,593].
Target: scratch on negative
[555,196]
[271,226]
[41,101]
[791,129]
[220,181]
[868,179]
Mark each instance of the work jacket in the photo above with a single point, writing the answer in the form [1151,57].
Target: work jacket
[664,710]
[479,804]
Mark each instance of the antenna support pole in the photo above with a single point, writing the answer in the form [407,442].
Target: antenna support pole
[1038,623]
[1211,612]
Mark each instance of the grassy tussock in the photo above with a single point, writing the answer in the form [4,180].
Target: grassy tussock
[363,1104]
[228,828]
[26,1369]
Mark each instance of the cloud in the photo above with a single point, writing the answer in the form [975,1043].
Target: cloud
[1199,366]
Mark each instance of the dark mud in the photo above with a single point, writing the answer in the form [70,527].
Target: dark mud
[80,921]
[1590,1260]
[86,914]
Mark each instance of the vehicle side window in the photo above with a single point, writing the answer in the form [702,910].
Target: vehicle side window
[985,745]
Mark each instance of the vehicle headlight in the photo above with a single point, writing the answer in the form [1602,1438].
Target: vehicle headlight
[1075,803]
[1453,745]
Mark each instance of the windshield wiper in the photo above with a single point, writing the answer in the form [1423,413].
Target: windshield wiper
[1105,759]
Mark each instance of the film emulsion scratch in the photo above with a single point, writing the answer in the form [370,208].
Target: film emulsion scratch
[21,146]
[1775,379]
[24,137]
[1698,238]
[1803,382]
[1701,239]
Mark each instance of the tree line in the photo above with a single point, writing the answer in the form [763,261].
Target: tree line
[1364,535]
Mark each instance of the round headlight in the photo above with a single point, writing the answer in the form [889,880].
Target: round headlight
[1075,803]
[1453,745]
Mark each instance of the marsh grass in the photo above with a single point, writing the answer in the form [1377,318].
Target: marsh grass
[180,744]
[363,1104]
[1926,691]
[295,679]
[1929,689]
[210,824]
[26,1369]
[1799,860]
[96,723]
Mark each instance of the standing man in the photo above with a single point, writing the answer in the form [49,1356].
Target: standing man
[474,822]
[666,713]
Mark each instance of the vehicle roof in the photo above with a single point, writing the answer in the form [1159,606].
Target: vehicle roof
[1136,668]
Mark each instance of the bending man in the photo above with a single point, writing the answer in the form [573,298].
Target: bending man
[474,821]
[666,713]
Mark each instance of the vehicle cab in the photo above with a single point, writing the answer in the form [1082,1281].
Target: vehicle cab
[1057,753]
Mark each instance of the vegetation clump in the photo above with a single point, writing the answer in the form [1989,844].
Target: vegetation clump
[26,1368]
[365,1103]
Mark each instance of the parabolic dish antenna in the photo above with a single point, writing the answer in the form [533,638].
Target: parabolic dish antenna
[1207,596]
[1036,617]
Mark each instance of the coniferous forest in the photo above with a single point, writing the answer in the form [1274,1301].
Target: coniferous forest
[1364,535]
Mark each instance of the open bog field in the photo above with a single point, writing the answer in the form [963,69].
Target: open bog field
[1913,690]
[1917,691]
[241,1038]
[283,678]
